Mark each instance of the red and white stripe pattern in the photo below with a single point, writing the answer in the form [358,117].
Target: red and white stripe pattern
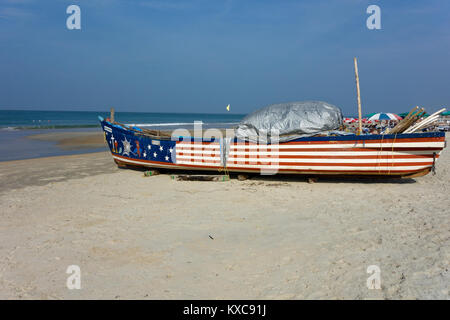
[198,154]
[389,156]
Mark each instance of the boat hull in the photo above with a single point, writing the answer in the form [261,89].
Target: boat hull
[408,155]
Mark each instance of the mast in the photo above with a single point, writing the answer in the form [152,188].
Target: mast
[358,96]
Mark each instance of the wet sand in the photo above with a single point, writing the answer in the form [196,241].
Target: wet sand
[137,237]
[84,140]
[32,144]
[42,171]
[72,140]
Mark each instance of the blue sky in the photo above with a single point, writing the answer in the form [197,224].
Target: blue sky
[200,55]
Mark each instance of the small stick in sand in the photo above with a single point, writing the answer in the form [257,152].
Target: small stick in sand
[201,178]
[242,177]
[313,180]
[150,173]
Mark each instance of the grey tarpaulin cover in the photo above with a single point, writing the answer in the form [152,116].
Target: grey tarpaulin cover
[292,120]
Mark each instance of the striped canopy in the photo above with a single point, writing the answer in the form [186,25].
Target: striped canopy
[404,114]
[385,116]
[369,115]
[352,120]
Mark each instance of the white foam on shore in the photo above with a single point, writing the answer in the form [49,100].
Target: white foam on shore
[170,124]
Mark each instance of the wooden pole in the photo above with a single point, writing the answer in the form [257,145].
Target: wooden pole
[112,114]
[404,122]
[358,95]
[426,121]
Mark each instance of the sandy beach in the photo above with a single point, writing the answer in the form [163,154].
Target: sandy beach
[137,237]
[347,101]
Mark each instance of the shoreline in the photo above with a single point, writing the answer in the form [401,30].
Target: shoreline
[72,140]
[44,170]
[35,144]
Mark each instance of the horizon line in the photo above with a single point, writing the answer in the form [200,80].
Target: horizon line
[174,112]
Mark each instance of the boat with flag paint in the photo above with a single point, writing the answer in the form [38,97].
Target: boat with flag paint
[306,137]
[399,154]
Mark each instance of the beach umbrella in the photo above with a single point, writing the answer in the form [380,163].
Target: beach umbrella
[385,116]
[369,115]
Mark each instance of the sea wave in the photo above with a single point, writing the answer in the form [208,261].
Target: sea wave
[159,125]
[170,124]
[9,128]
[175,124]
[63,126]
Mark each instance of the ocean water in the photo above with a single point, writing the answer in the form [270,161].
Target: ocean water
[20,119]
[16,126]
[18,146]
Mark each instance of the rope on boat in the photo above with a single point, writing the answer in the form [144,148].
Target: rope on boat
[392,151]
[223,150]
[225,172]
[380,154]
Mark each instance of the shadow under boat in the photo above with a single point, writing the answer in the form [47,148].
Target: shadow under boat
[363,179]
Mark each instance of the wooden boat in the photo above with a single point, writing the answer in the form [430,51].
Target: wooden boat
[405,155]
